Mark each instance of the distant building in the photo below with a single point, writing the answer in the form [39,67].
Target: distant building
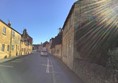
[46,45]
[50,44]
[56,45]
[26,43]
[36,47]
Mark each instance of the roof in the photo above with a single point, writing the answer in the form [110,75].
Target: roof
[9,26]
[57,40]
[45,43]
[70,12]
[26,35]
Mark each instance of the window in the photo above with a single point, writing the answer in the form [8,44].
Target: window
[7,47]
[13,34]
[3,47]
[12,47]
[22,49]
[17,47]
[4,30]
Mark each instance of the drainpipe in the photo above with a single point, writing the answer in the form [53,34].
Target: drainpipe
[20,48]
[10,44]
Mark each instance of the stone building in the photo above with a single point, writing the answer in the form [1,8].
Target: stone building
[9,41]
[46,45]
[56,45]
[68,38]
[12,43]
[26,43]
[50,44]
[36,47]
[81,13]
[89,32]
[58,51]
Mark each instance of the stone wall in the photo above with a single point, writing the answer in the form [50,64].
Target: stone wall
[93,73]
[95,35]
[58,51]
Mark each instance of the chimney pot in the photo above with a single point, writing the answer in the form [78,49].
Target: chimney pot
[9,24]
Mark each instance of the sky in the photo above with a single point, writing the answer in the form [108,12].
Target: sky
[41,18]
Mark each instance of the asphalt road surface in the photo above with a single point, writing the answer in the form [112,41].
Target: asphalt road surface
[36,69]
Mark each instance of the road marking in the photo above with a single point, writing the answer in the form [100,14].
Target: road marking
[53,72]
[56,72]
[48,66]
[6,66]
[43,64]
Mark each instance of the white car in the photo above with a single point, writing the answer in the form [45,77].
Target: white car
[44,53]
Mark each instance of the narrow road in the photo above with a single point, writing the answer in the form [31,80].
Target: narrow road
[36,69]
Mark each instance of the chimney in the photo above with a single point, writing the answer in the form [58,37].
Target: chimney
[9,24]
[60,30]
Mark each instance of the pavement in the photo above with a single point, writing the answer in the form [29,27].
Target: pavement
[7,59]
[34,68]
[10,59]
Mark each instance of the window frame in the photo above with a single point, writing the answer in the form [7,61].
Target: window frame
[12,47]
[4,30]
[13,33]
[8,47]
[3,47]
